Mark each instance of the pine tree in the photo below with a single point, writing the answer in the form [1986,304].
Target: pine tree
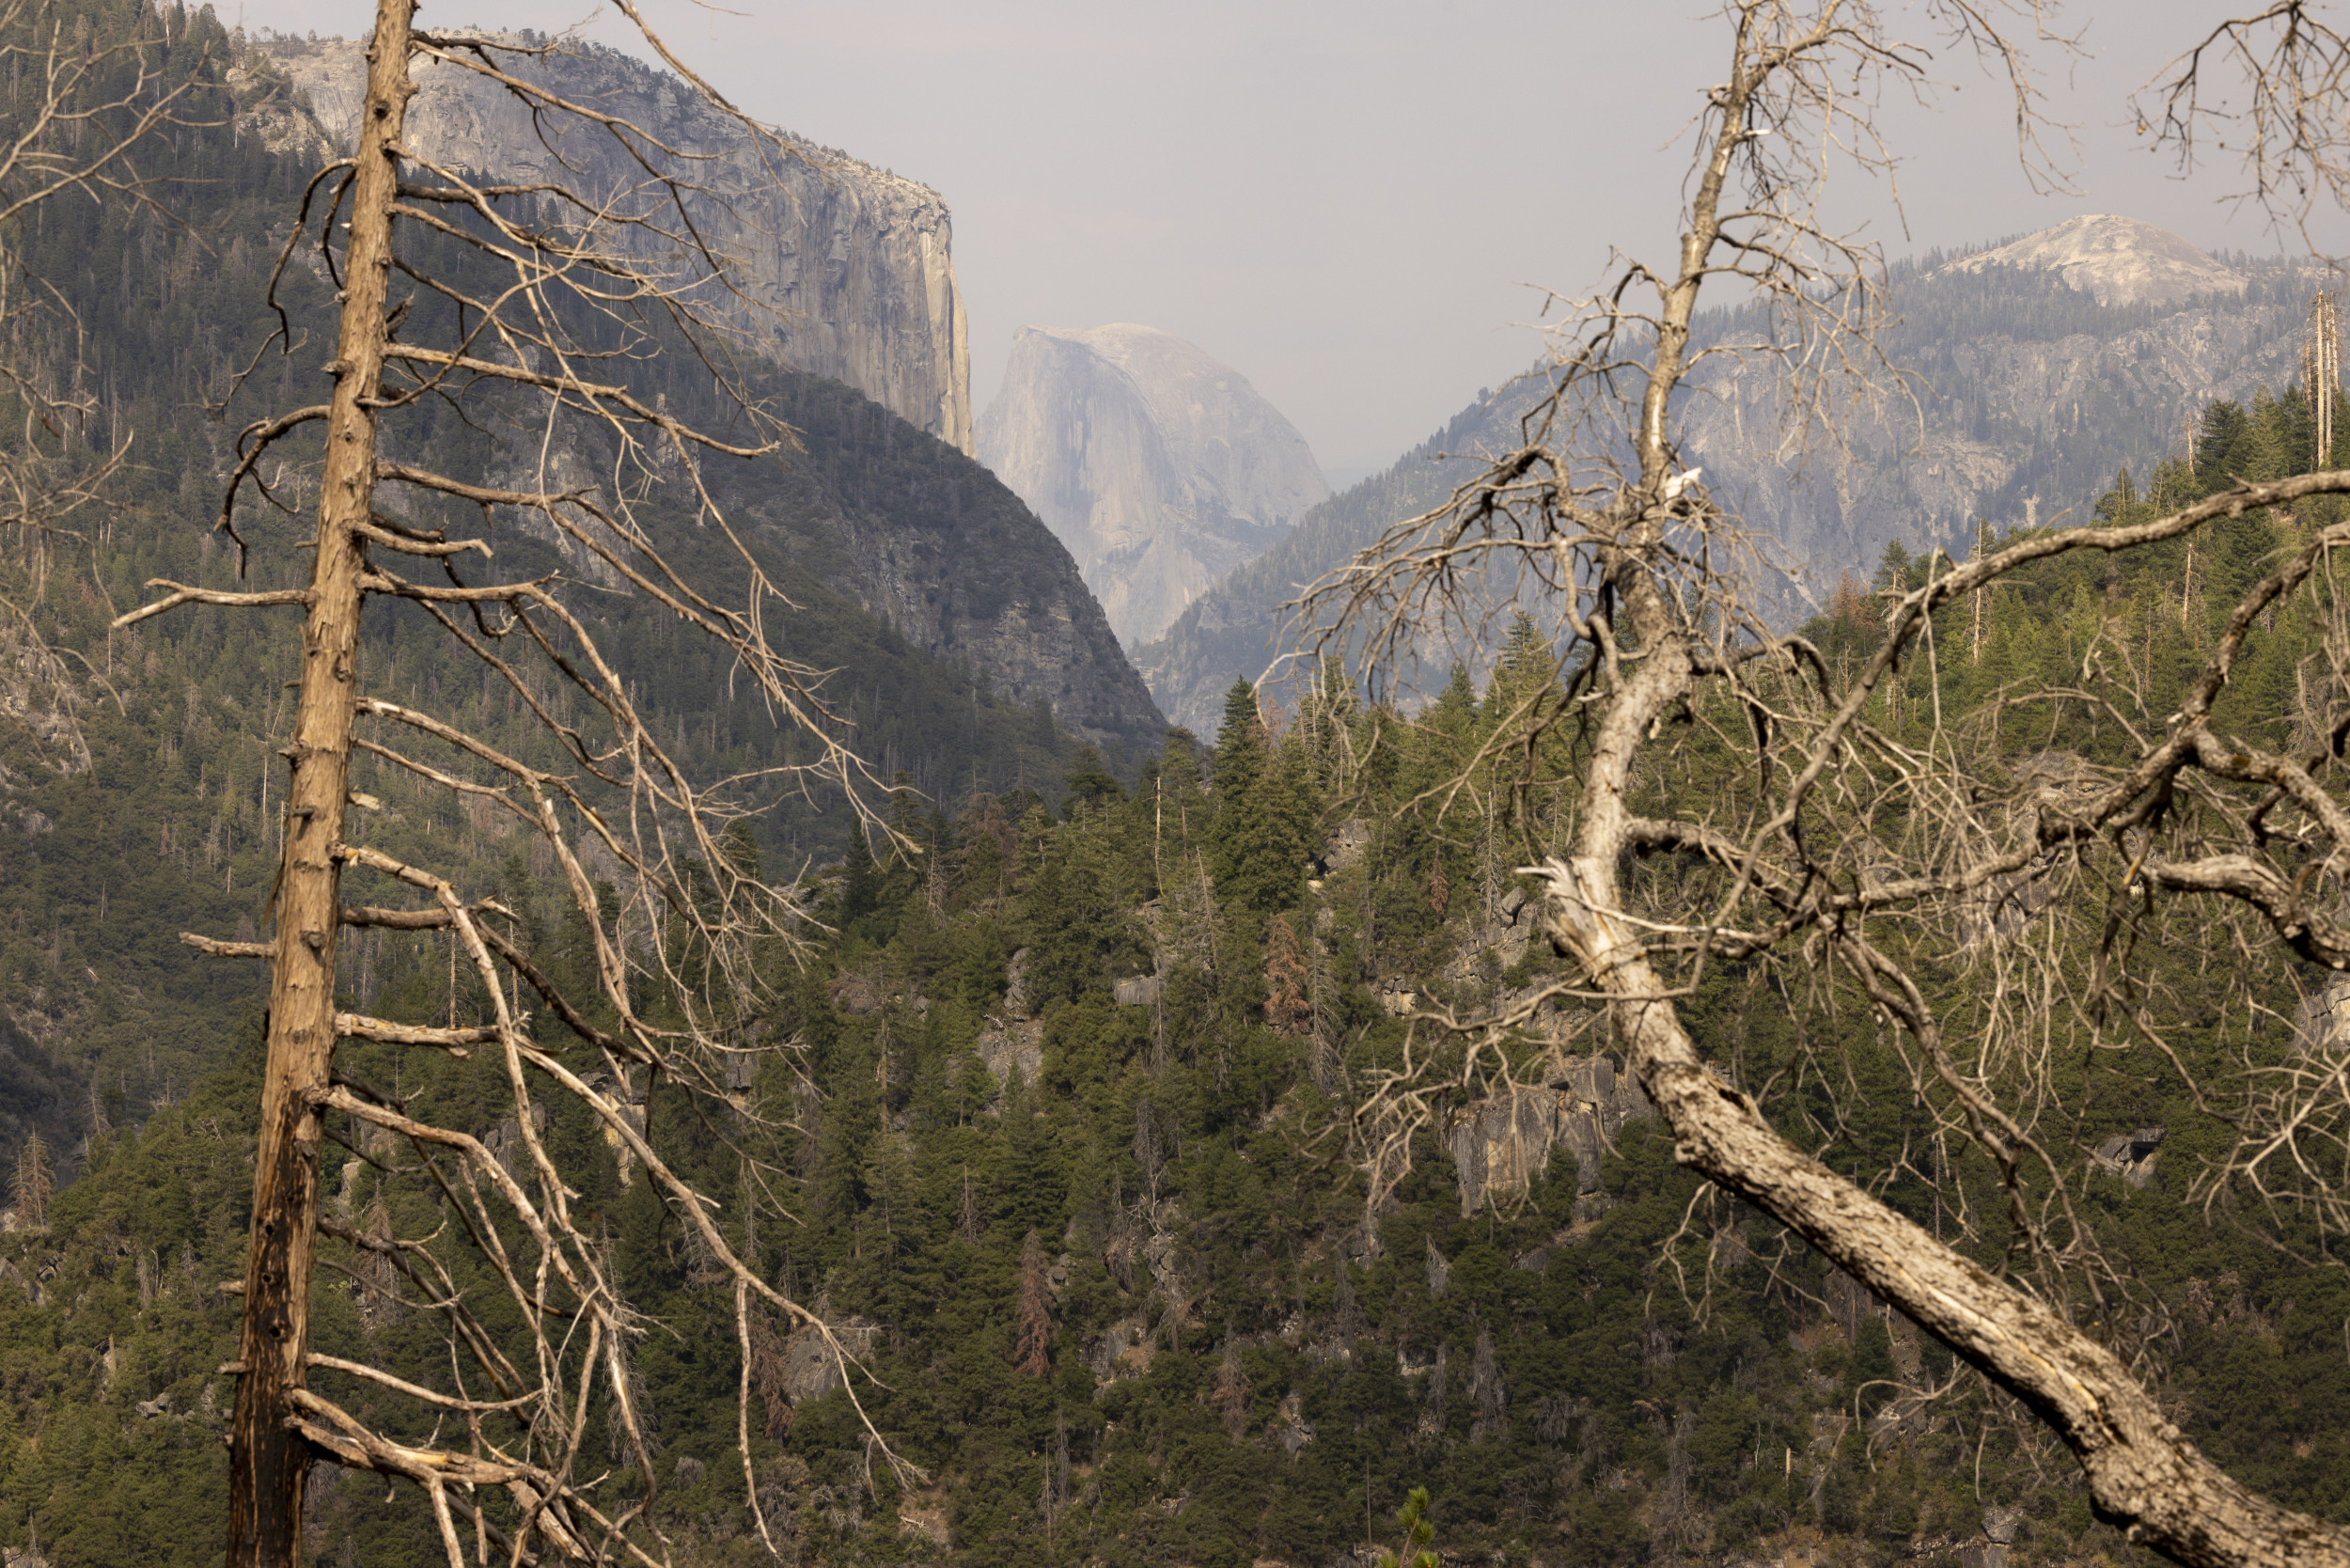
[1230,1394]
[1262,833]
[1240,743]
[1032,1329]
[1287,1009]
[1089,780]
[860,882]
[36,1181]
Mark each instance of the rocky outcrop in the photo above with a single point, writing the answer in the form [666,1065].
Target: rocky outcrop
[1159,468]
[38,698]
[1501,1145]
[846,270]
[2321,1020]
[2129,1155]
[2044,366]
[811,1367]
[2121,261]
[1011,1041]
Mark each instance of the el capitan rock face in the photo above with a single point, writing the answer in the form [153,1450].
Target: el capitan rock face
[2121,261]
[848,268]
[1160,468]
[900,522]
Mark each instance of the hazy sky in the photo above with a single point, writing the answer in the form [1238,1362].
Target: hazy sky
[1349,204]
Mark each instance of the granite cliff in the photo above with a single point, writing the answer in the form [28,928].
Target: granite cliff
[2044,364]
[849,276]
[928,543]
[1161,469]
[2121,261]
[847,270]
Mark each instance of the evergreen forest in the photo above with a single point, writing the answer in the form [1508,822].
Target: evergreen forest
[1064,1114]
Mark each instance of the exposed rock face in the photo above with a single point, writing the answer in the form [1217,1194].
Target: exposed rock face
[1160,468]
[2121,261]
[2322,1020]
[1500,1146]
[37,697]
[927,541]
[846,269]
[2129,1155]
[2035,389]
[2019,427]
[1231,629]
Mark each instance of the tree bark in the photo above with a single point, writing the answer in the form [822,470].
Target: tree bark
[269,1461]
[2143,1473]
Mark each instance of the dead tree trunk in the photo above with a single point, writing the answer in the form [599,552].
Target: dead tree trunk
[1664,635]
[268,1460]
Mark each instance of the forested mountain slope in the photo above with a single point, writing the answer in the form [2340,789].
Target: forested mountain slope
[136,770]
[2030,394]
[1061,1125]
[1063,1121]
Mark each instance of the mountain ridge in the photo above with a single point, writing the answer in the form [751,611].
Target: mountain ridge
[2034,394]
[1158,466]
[847,270]
[2121,261]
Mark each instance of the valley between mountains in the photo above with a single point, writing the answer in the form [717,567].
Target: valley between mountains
[1151,1088]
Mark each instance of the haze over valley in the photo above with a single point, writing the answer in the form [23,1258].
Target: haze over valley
[684,883]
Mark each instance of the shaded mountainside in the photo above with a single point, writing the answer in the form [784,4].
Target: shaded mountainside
[1161,469]
[2033,394]
[934,546]
[846,270]
[137,776]
[1063,1154]
[1237,628]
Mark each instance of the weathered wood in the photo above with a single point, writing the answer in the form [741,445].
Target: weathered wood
[2143,1473]
[358,1025]
[268,1458]
[218,949]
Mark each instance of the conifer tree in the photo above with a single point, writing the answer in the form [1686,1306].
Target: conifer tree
[1231,1393]
[1032,1326]
[36,1181]
[860,883]
[1287,1009]
[1265,814]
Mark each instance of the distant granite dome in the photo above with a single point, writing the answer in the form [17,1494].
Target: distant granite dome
[2121,261]
[1158,467]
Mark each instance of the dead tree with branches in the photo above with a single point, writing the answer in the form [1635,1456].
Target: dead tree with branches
[1811,835]
[522,307]
[87,99]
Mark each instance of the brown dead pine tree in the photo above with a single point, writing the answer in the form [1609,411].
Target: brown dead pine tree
[552,285]
[1849,858]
